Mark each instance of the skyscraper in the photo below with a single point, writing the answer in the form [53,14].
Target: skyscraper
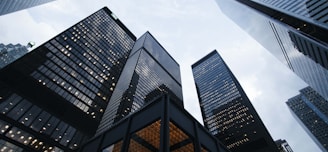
[54,97]
[9,6]
[227,112]
[283,146]
[149,72]
[162,125]
[311,111]
[10,53]
[293,31]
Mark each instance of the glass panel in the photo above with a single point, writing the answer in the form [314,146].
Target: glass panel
[146,139]
[114,147]
[9,147]
[179,141]
[203,149]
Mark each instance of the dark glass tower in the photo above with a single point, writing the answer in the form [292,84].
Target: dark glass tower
[54,97]
[227,112]
[9,6]
[149,72]
[311,111]
[160,126]
[9,53]
[293,31]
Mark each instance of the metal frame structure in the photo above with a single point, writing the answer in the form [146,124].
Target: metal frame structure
[171,118]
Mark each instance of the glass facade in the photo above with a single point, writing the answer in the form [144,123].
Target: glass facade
[9,6]
[149,72]
[311,111]
[54,97]
[9,53]
[295,32]
[227,112]
[161,125]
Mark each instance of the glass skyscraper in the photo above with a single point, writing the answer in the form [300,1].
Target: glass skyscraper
[9,53]
[294,31]
[82,82]
[149,72]
[311,111]
[9,6]
[227,112]
[53,98]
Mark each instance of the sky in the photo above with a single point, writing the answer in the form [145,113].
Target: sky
[188,30]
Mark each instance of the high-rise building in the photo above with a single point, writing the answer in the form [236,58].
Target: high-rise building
[53,98]
[293,31]
[227,112]
[149,72]
[311,111]
[162,125]
[283,146]
[9,53]
[9,6]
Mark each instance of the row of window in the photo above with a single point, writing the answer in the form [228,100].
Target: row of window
[31,116]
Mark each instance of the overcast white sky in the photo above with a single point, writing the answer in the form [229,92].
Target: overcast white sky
[189,30]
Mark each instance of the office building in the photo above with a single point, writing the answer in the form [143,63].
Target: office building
[161,125]
[227,112]
[149,72]
[295,32]
[10,53]
[53,98]
[9,6]
[283,146]
[311,111]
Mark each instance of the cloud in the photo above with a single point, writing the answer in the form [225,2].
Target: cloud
[188,30]
[24,30]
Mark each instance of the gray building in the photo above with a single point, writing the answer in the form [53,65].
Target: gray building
[283,145]
[294,31]
[9,6]
[311,111]
[9,53]
[227,112]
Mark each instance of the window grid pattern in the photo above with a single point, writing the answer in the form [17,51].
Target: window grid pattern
[308,58]
[314,10]
[9,53]
[83,63]
[227,112]
[311,109]
[38,121]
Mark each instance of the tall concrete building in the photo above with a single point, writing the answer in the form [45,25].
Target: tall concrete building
[9,53]
[294,31]
[227,112]
[311,111]
[53,98]
[9,6]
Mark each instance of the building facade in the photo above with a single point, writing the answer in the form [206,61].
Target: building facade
[9,53]
[311,111]
[149,72]
[162,125]
[294,31]
[283,146]
[53,98]
[227,112]
[9,6]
